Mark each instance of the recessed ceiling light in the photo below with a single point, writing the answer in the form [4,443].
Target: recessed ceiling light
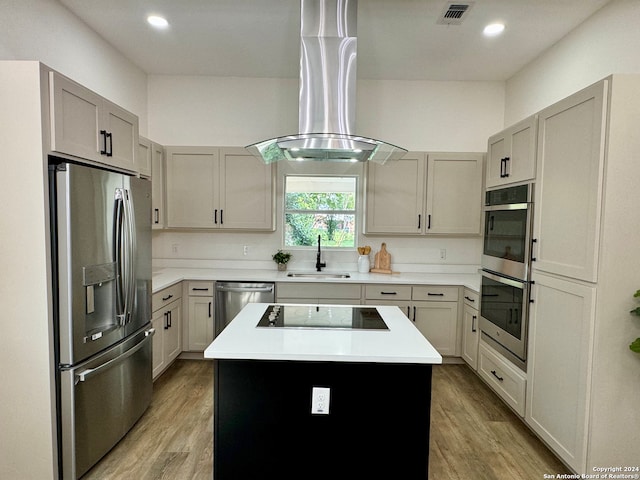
[157,21]
[493,29]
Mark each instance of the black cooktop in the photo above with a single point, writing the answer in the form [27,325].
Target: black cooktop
[322,316]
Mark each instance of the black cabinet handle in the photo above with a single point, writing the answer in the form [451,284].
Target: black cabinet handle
[164,299]
[414,314]
[209,309]
[215,216]
[156,214]
[195,289]
[428,221]
[473,323]
[166,320]
[435,294]
[472,300]
[110,149]
[408,312]
[221,217]
[502,168]
[419,220]
[496,375]
[388,293]
[506,162]
[104,142]
[533,240]
[169,313]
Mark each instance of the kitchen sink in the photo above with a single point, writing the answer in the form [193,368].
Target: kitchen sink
[317,275]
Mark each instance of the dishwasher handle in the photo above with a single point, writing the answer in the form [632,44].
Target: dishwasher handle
[222,288]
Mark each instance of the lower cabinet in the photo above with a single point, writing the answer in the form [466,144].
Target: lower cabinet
[508,381]
[470,330]
[167,322]
[319,293]
[199,328]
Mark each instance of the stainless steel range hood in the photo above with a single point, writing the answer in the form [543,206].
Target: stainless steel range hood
[328,47]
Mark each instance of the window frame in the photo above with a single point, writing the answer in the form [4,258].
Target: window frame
[355,212]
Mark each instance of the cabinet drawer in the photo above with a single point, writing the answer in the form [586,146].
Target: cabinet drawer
[507,381]
[319,290]
[471,298]
[387,292]
[200,289]
[436,293]
[166,296]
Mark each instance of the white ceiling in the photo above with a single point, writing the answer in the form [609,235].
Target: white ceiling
[397,39]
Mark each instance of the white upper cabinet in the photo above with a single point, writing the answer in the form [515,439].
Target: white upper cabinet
[511,154]
[425,194]
[454,193]
[157,186]
[568,200]
[143,159]
[395,195]
[85,125]
[224,188]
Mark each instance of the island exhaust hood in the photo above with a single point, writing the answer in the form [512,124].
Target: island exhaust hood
[328,47]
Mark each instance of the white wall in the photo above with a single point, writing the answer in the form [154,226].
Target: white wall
[433,116]
[605,43]
[44,30]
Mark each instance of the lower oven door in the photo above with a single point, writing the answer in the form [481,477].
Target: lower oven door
[101,399]
[504,312]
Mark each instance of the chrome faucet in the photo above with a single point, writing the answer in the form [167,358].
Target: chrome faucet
[319,265]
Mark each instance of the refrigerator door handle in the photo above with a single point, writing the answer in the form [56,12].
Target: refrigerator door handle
[91,372]
[130,260]
[119,255]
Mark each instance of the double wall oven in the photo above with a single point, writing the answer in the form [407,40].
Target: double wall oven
[506,263]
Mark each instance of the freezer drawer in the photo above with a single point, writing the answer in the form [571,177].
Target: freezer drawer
[101,399]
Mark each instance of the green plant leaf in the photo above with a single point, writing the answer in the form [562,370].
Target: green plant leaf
[637,294]
[635,345]
[635,311]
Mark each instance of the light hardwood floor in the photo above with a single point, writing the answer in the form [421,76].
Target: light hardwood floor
[474,436]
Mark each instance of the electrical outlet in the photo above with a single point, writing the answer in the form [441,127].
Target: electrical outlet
[175,248]
[443,254]
[320,397]
[245,250]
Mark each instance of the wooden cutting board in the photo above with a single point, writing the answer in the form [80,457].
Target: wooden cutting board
[382,262]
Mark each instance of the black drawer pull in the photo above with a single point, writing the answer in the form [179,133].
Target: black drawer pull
[493,372]
[435,294]
[472,300]
[388,293]
[200,289]
[164,299]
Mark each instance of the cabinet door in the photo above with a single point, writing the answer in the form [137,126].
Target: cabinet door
[395,196]
[438,322]
[560,351]
[497,149]
[200,323]
[172,331]
[122,128]
[76,119]
[511,154]
[568,199]
[470,336]
[158,357]
[246,191]
[143,159]
[157,186]
[190,194]
[454,193]
[404,306]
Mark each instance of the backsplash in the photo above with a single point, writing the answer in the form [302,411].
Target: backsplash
[227,250]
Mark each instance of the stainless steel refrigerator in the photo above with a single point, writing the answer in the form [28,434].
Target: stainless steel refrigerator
[101,263]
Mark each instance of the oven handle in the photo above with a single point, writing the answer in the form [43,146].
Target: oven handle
[507,281]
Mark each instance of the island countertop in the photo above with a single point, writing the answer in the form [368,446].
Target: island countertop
[401,343]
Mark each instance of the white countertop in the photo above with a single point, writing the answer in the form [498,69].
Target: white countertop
[402,343]
[165,277]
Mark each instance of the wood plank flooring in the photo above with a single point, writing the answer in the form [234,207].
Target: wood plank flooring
[474,436]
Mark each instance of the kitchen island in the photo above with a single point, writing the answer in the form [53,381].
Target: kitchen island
[306,399]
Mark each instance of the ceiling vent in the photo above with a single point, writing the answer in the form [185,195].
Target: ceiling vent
[454,13]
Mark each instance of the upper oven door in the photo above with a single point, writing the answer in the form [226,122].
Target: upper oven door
[506,246]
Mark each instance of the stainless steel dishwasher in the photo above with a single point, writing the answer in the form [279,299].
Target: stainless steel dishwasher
[231,297]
